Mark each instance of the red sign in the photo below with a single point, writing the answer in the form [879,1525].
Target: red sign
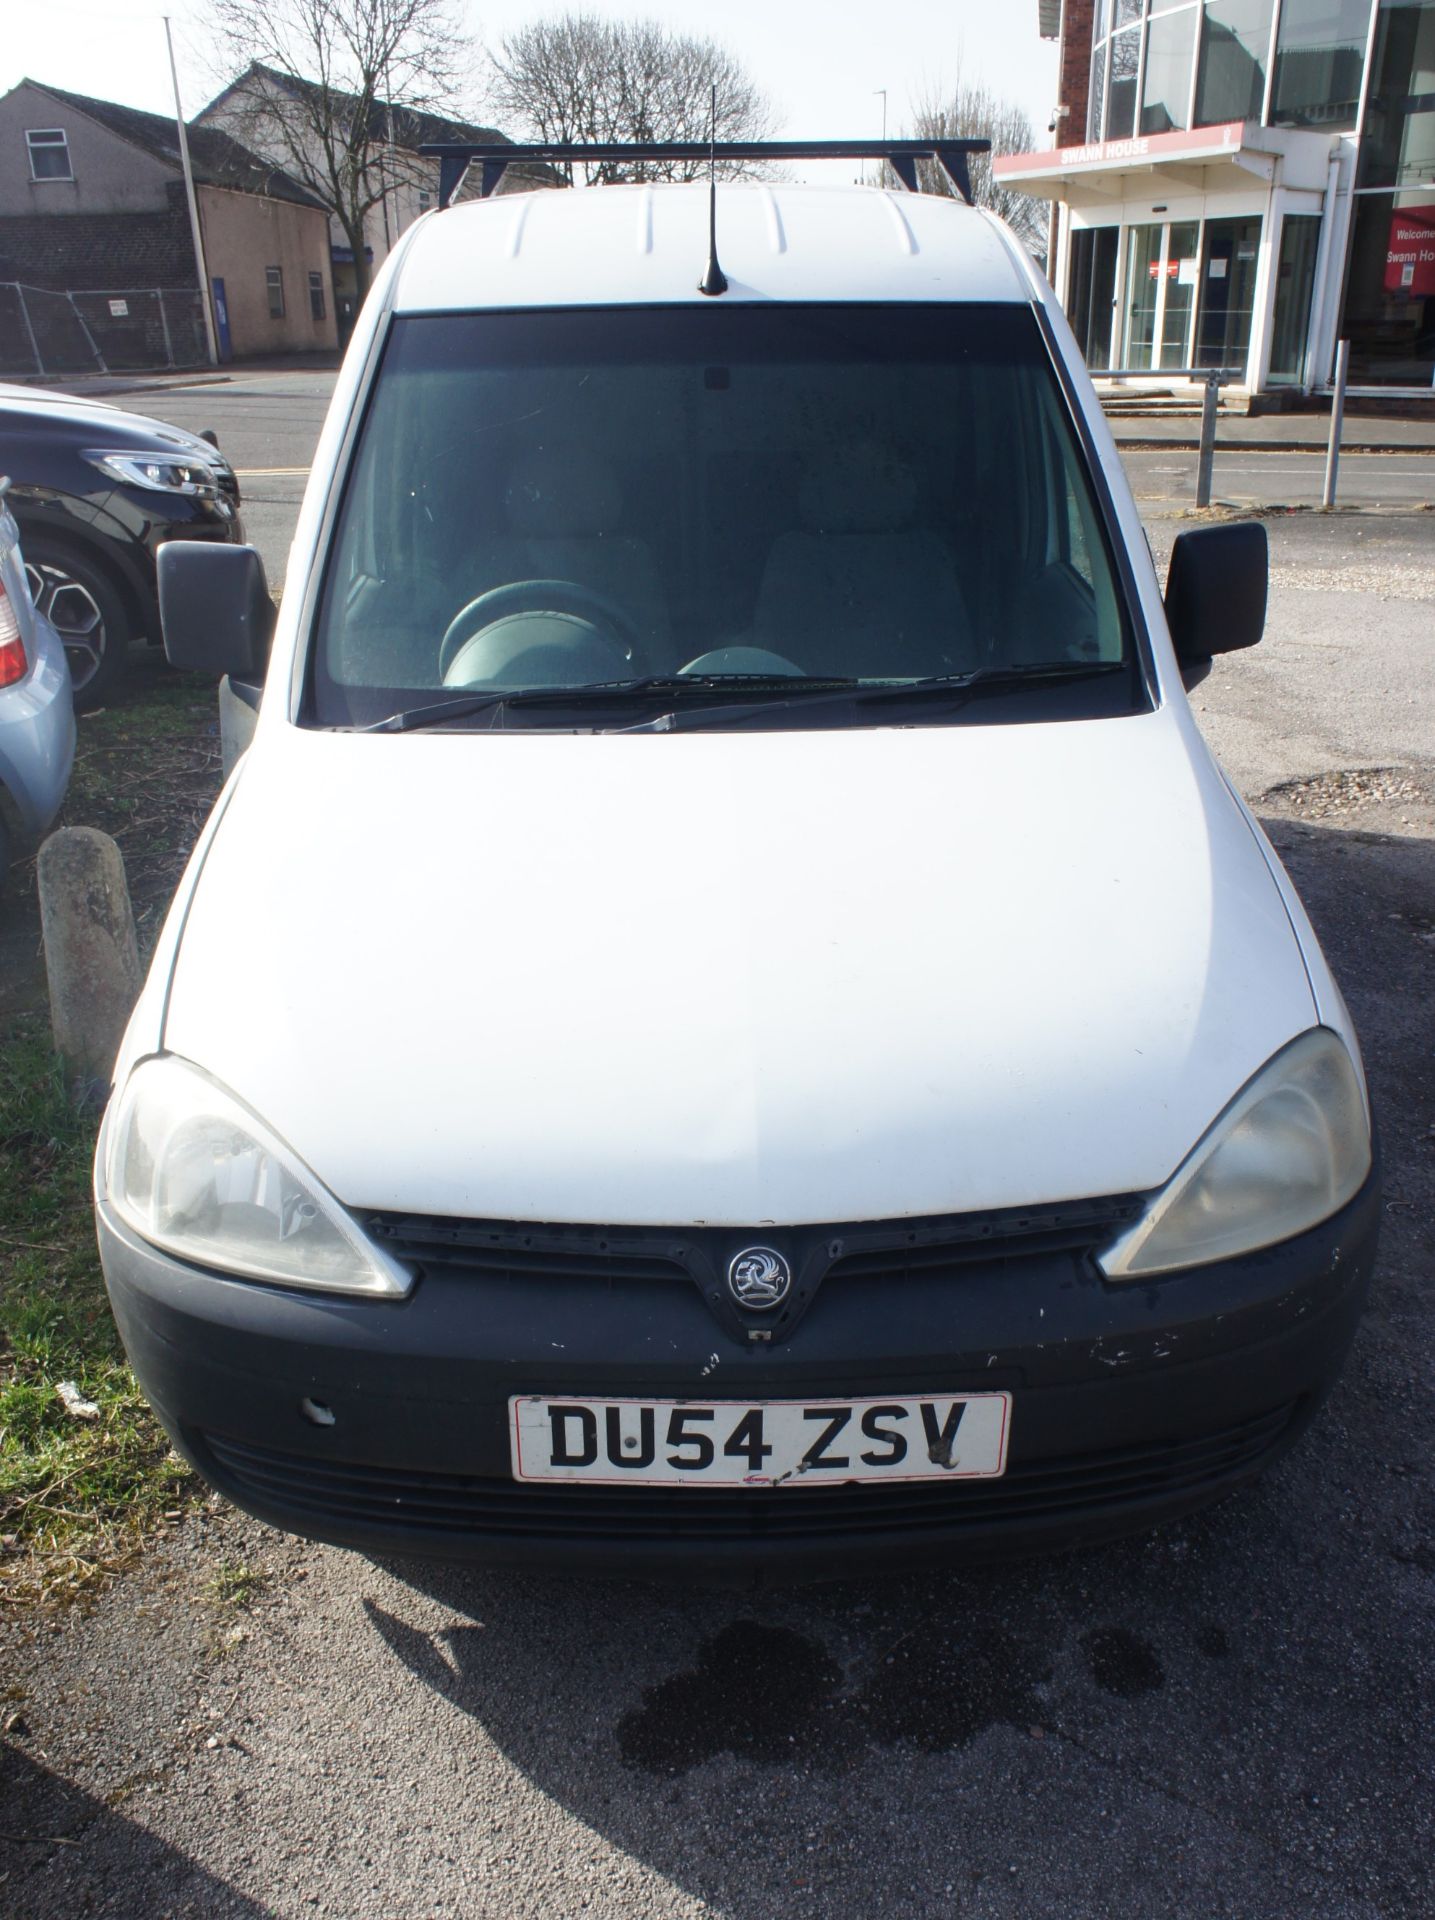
[1410,259]
[1168,267]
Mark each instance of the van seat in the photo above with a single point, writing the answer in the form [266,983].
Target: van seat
[560,508]
[860,590]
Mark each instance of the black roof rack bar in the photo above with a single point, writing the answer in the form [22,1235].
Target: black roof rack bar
[901,155]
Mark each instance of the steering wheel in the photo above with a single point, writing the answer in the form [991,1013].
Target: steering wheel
[528,619]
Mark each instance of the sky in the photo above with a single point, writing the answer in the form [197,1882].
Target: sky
[820,61]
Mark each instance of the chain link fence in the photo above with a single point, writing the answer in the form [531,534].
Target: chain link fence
[44,332]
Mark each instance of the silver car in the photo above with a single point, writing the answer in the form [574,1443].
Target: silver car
[37,715]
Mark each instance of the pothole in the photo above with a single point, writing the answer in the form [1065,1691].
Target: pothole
[1348,790]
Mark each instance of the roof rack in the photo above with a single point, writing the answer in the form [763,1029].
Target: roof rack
[902,156]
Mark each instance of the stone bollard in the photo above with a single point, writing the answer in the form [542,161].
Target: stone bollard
[91,956]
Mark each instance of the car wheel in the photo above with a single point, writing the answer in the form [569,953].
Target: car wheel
[82,604]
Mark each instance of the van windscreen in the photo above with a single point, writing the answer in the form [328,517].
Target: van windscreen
[772,500]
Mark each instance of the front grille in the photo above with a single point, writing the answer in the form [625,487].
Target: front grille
[513,1251]
[885,1249]
[443,1505]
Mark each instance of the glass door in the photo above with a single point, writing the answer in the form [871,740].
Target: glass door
[1092,291]
[1145,251]
[1228,293]
[1179,271]
[1161,274]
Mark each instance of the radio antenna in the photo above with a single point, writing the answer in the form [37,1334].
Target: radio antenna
[714,280]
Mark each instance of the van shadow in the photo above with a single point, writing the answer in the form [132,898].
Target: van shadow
[64,1852]
[1228,1692]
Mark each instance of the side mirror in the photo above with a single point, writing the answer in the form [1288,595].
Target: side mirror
[1216,593]
[214,608]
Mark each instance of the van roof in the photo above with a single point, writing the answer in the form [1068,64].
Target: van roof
[648,245]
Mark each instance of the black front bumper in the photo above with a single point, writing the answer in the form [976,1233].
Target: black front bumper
[1131,1403]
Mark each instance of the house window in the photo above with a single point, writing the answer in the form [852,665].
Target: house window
[49,154]
[425,199]
[316,296]
[275,278]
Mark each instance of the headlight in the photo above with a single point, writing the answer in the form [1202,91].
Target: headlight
[154,471]
[1290,1150]
[192,1170]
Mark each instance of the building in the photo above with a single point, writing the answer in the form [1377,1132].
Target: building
[93,213]
[280,115]
[1237,185]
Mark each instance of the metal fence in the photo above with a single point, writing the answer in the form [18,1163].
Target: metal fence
[45,332]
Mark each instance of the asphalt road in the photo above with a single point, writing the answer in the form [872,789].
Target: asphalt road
[1234,1716]
[268,424]
[1245,475]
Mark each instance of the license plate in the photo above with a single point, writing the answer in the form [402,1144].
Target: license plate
[771,1443]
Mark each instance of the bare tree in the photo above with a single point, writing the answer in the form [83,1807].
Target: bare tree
[337,93]
[580,78]
[972,111]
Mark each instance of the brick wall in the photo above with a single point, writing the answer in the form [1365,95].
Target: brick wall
[74,251]
[52,255]
[1075,78]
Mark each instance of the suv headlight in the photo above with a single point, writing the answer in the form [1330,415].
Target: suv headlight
[1290,1150]
[189,1168]
[155,471]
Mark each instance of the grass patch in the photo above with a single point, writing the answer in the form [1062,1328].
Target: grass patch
[236,1585]
[75,1494]
[78,1494]
[147,771]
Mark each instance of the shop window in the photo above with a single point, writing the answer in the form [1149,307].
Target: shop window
[274,277]
[49,154]
[1389,314]
[1166,90]
[1121,88]
[1235,45]
[1320,57]
[1295,283]
[1399,145]
[317,309]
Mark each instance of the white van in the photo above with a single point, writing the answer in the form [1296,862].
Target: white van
[727,1014]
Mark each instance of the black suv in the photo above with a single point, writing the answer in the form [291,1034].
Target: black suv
[96,493]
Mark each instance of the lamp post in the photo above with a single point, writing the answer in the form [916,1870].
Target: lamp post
[196,232]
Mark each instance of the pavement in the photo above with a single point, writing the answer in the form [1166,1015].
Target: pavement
[1282,432]
[1231,1716]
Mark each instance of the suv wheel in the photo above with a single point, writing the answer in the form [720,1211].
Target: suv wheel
[80,601]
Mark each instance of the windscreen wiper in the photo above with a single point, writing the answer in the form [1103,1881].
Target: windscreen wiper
[605,692]
[934,689]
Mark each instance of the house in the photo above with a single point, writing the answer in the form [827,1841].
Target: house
[1239,187]
[280,115]
[93,215]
